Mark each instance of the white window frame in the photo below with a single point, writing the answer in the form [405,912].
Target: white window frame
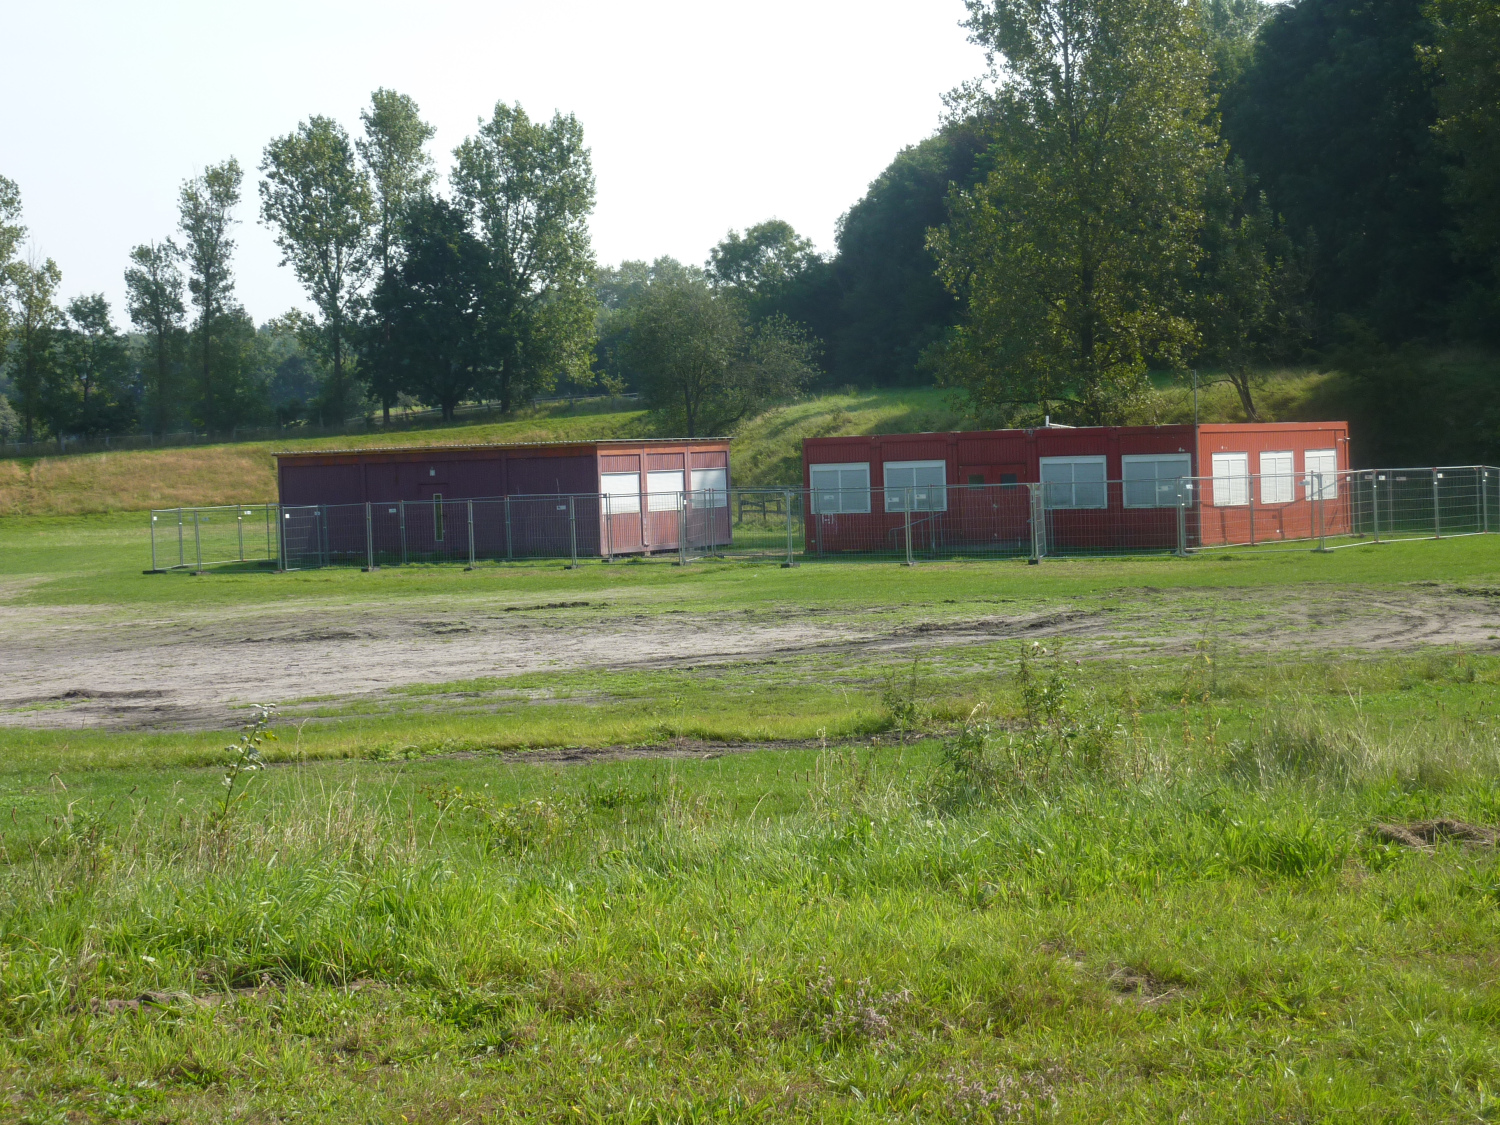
[840,498]
[711,487]
[1159,498]
[1231,480]
[1278,484]
[622,492]
[662,494]
[1327,464]
[931,496]
[1052,490]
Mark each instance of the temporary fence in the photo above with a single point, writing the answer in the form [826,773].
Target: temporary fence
[1076,516]
[195,538]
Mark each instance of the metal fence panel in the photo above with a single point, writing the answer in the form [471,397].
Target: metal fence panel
[910,524]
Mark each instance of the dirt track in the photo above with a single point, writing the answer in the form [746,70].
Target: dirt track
[82,668]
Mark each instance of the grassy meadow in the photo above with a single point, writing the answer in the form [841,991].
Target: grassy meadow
[981,881]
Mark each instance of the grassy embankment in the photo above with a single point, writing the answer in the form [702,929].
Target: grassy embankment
[767,448]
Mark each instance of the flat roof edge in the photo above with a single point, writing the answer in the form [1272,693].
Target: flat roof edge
[579,443]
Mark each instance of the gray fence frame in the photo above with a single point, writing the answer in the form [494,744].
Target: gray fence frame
[791,525]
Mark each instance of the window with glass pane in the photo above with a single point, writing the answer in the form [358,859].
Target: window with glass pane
[1322,464]
[712,488]
[1073,482]
[622,492]
[1231,479]
[1154,480]
[926,482]
[664,490]
[1276,478]
[840,488]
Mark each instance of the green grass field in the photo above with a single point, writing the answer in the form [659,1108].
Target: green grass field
[1093,840]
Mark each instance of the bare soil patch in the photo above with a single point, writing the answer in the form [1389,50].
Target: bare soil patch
[101,667]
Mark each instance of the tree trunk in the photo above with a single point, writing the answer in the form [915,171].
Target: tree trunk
[1241,381]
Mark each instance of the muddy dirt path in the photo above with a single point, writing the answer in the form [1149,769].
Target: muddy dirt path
[92,668]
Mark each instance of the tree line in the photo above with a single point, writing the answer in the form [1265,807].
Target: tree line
[1135,187]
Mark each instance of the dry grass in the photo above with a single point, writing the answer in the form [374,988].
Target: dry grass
[166,478]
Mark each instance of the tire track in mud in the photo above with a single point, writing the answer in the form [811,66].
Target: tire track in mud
[91,669]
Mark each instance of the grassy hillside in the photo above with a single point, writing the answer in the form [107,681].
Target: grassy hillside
[767,449]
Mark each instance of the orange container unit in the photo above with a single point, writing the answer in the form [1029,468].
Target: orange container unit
[1100,487]
[1270,481]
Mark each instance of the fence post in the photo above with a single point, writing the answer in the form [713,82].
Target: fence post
[1375,504]
[786,500]
[153,541]
[682,529]
[268,532]
[1437,523]
[325,547]
[239,523]
[508,555]
[470,505]
[197,542]
[608,513]
[1322,515]
[572,535]
[1033,518]
[181,558]
[906,511]
[369,540]
[1484,500]
[281,537]
[401,519]
[1252,513]
[1181,524]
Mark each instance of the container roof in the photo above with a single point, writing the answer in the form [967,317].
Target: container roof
[452,446]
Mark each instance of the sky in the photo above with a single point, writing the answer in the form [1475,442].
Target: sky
[702,116]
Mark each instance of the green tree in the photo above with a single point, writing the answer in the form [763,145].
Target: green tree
[11,233]
[434,300]
[1248,293]
[153,295]
[394,152]
[617,289]
[206,215]
[891,305]
[1465,55]
[703,366]
[1069,257]
[34,345]
[318,199]
[1334,117]
[762,262]
[95,394]
[530,187]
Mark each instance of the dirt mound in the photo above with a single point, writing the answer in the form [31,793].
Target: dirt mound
[1425,834]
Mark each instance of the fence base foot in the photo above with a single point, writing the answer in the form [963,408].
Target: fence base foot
[469,568]
[1033,562]
[197,573]
[787,566]
[368,569]
[158,571]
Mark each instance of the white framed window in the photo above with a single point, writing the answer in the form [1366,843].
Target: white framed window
[928,481]
[623,491]
[664,490]
[840,488]
[1277,480]
[1073,482]
[1324,464]
[711,487]
[1154,480]
[1231,480]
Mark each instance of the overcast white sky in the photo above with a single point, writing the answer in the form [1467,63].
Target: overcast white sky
[702,116]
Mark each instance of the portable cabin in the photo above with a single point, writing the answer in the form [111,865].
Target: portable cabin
[614,497]
[1104,487]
